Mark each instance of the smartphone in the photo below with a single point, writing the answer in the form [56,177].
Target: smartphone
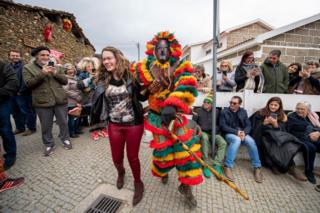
[51,64]
[224,73]
[273,115]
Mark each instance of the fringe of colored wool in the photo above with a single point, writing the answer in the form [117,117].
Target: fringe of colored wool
[174,101]
[191,180]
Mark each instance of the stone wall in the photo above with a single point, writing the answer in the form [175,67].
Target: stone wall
[299,45]
[23,29]
[240,35]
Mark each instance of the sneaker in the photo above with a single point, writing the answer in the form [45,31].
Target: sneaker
[311,178]
[206,172]
[74,136]
[103,133]
[16,132]
[28,132]
[257,175]
[94,135]
[218,169]
[48,150]
[67,144]
[11,183]
[297,174]
[228,174]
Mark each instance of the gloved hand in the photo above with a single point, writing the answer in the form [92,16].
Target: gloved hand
[168,114]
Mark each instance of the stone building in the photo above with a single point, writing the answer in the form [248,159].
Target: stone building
[201,52]
[22,27]
[298,42]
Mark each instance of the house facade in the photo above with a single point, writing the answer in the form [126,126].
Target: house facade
[24,27]
[298,42]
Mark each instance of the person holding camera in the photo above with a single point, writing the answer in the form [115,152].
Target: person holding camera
[276,147]
[248,75]
[48,97]
[235,126]
[305,83]
[225,77]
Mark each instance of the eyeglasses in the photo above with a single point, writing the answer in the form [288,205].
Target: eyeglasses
[233,103]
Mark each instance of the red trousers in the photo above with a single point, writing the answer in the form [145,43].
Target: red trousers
[121,135]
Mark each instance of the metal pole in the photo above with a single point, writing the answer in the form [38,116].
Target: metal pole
[214,69]
[138,45]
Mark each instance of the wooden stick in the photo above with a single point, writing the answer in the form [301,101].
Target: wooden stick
[204,164]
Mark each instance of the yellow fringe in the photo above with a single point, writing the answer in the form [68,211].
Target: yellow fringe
[185,154]
[183,78]
[190,173]
[187,97]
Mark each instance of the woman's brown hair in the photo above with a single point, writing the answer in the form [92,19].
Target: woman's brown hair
[122,69]
[265,112]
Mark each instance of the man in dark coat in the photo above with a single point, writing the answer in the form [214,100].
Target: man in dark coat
[235,125]
[8,87]
[22,110]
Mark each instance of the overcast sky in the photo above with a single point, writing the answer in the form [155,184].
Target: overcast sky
[123,23]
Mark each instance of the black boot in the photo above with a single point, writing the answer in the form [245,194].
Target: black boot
[138,193]
[189,198]
[165,179]
[120,180]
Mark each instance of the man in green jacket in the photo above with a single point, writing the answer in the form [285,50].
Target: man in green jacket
[48,97]
[275,74]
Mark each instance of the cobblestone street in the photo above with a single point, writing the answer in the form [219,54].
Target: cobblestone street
[60,182]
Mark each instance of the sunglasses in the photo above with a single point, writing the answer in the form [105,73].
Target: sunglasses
[233,103]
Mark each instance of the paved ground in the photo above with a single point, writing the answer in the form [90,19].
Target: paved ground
[60,182]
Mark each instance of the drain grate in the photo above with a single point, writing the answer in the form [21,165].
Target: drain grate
[105,204]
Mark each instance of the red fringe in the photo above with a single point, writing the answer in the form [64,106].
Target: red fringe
[162,145]
[155,174]
[189,81]
[163,165]
[154,129]
[174,101]
[149,52]
[191,181]
[141,75]
[186,136]
[186,68]
[184,122]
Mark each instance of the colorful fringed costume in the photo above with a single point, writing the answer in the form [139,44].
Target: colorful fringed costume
[175,86]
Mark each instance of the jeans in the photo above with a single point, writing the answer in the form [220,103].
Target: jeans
[73,123]
[234,143]
[23,112]
[8,139]
[310,150]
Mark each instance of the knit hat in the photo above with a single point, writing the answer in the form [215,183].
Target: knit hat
[36,50]
[208,99]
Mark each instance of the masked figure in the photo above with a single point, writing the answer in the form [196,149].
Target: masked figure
[172,90]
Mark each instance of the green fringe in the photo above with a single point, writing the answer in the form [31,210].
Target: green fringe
[189,166]
[178,148]
[163,170]
[164,152]
[154,119]
[190,89]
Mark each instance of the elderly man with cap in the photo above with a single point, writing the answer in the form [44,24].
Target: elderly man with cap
[48,97]
[203,117]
